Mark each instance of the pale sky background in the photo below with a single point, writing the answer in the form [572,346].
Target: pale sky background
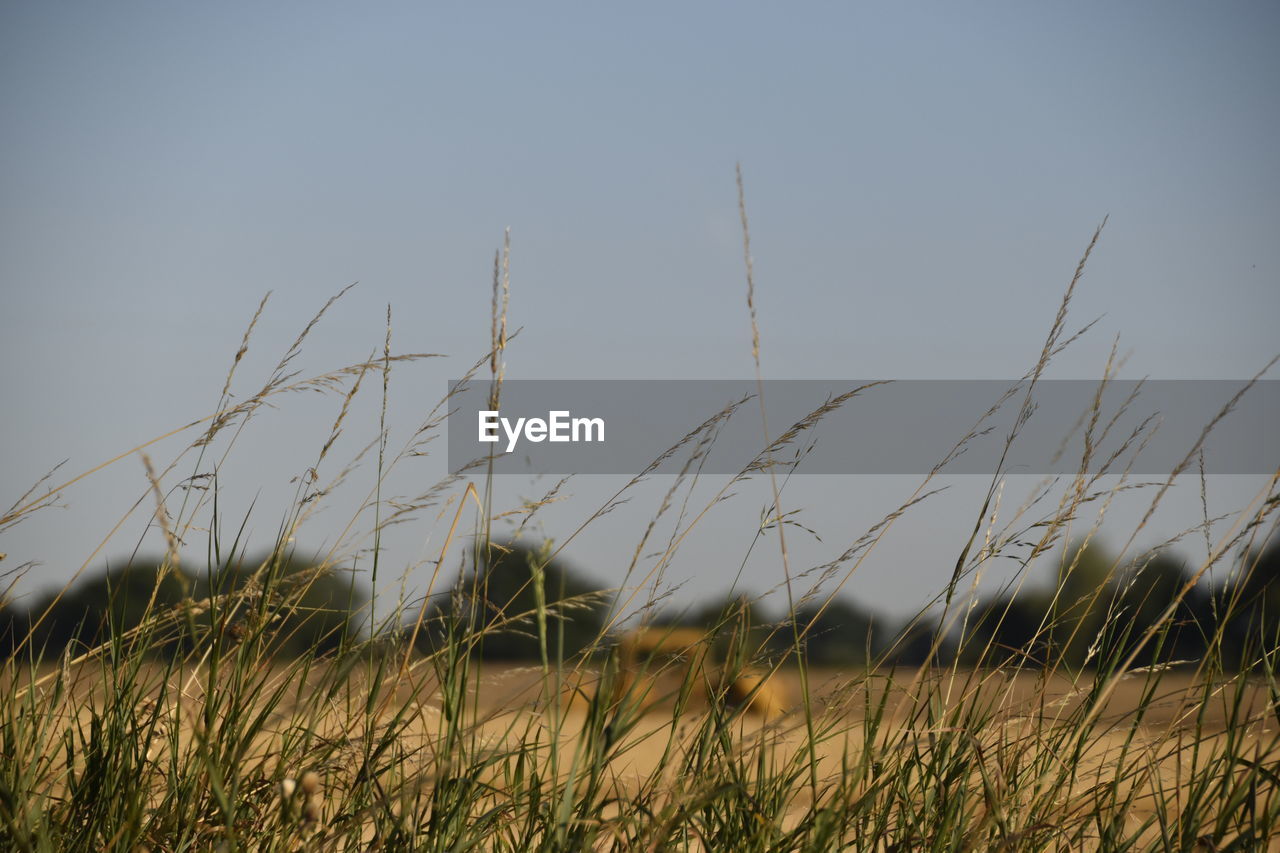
[921,179]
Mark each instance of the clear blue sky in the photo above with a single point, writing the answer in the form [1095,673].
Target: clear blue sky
[921,180]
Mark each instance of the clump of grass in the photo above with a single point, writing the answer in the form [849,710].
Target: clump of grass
[982,746]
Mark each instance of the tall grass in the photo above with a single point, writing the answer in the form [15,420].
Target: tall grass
[385,742]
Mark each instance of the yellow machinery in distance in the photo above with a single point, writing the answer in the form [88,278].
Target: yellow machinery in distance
[654,661]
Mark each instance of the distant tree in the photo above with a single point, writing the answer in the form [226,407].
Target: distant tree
[111,603]
[1142,595]
[1250,606]
[1097,615]
[15,625]
[1077,612]
[913,644]
[842,634]
[298,608]
[495,603]
[303,607]
[1007,630]
[740,628]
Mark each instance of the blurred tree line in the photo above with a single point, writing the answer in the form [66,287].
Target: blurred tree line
[290,604]
[496,600]
[1096,612]
[1099,613]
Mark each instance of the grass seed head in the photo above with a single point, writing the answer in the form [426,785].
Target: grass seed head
[310,782]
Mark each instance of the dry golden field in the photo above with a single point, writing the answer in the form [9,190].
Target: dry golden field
[1005,743]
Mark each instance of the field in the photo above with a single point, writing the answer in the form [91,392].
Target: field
[984,759]
[198,722]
